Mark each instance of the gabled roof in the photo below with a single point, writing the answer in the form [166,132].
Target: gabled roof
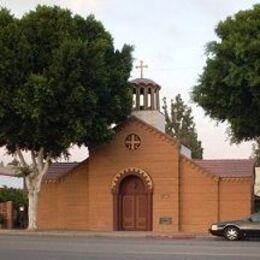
[163,135]
[229,168]
[218,168]
[58,170]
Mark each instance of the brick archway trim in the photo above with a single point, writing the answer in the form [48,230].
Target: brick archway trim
[132,171]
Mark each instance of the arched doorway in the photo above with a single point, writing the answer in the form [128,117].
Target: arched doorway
[134,204]
[132,190]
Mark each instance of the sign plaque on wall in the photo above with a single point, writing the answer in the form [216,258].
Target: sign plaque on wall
[165,220]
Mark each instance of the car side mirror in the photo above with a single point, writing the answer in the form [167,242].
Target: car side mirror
[250,219]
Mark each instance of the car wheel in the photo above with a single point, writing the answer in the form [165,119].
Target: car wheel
[232,233]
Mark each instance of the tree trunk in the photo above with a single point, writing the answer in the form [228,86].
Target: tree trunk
[33,178]
[33,184]
[33,196]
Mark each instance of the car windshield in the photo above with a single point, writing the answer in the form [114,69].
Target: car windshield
[255,217]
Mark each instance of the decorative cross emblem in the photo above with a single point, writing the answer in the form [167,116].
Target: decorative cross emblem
[132,141]
[141,67]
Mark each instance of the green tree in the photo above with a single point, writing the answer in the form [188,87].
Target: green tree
[229,87]
[62,82]
[180,124]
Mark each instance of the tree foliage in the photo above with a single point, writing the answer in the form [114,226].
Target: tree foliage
[17,196]
[180,124]
[61,81]
[229,87]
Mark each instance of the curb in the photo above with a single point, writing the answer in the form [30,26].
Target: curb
[119,234]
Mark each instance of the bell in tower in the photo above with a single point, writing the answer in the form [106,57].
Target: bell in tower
[146,101]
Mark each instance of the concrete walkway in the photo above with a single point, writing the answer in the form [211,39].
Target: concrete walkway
[115,234]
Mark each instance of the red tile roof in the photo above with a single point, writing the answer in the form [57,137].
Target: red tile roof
[228,168]
[57,170]
[221,168]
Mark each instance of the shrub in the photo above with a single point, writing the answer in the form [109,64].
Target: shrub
[17,196]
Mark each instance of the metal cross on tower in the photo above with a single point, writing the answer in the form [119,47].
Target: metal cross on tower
[141,67]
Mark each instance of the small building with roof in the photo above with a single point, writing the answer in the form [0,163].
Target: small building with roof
[144,180]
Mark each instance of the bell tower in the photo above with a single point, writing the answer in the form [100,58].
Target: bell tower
[146,101]
[145,95]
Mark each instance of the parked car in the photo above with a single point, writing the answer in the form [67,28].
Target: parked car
[237,229]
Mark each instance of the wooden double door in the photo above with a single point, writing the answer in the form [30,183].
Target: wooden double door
[134,213]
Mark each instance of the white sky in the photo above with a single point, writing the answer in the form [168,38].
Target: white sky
[11,182]
[169,35]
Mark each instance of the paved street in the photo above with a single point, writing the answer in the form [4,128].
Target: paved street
[97,248]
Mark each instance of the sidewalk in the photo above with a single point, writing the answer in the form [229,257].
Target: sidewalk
[115,234]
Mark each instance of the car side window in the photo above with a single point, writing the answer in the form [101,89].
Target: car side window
[255,218]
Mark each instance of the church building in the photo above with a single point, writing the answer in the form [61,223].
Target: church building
[144,180]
